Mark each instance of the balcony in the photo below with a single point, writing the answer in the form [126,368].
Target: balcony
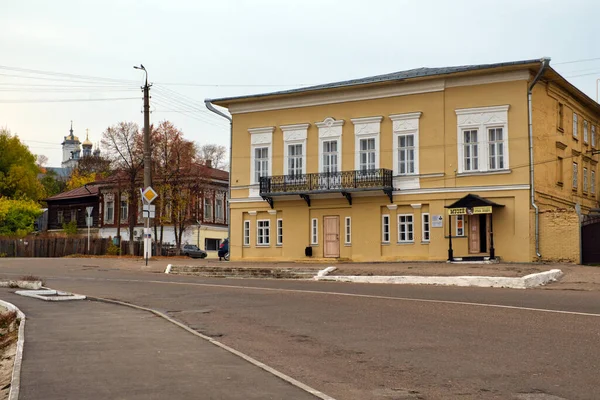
[344,182]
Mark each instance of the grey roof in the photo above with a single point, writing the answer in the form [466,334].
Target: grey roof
[394,76]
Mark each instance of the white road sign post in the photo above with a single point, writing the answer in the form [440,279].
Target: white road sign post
[88,221]
[148,196]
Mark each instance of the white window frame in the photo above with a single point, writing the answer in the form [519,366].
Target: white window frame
[109,199]
[294,135]
[585,131]
[482,119]
[593,182]
[329,130]
[60,216]
[456,228]
[246,232]
[348,231]
[575,125]
[496,144]
[314,231]
[407,225]
[585,180]
[474,150]
[337,155]
[407,150]
[279,241]
[368,165]
[263,225]
[575,172]
[385,223]
[207,216]
[259,138]
[366,128]
[218,208]
[405,124]
[425,232]
[124,215]
[260,161]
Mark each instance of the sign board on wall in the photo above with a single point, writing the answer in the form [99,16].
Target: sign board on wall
[437,221]
[470,211]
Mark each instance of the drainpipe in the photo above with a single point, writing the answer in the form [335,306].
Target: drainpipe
[221,114]
[545,63]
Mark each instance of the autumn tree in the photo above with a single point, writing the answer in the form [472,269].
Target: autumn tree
[18,169]
[52,183]
[174,159]
[123,145]
[214,153]
[79,179]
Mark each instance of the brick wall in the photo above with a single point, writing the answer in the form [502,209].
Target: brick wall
[559,235]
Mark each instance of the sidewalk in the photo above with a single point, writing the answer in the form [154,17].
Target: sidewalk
[91,350]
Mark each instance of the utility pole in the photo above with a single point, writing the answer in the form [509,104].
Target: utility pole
[147,161]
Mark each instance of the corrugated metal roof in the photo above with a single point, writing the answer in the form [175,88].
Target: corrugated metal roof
[84,191]
[394,76]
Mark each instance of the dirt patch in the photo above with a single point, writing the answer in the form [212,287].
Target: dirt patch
[9,328]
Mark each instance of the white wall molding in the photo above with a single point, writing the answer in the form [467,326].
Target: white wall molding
[463,189]
[272,212]
[329,130]
[319,98]
[366,128]
[251,212]
[293,135]
[416,206]
[392,206]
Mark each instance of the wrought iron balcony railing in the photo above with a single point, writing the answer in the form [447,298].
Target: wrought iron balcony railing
[344,182]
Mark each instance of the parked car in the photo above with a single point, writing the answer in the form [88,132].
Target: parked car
[224,250]
[193,251]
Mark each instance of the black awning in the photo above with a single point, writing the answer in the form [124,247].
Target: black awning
[472,200]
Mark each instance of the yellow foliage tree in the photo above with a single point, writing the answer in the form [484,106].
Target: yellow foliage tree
[78,179]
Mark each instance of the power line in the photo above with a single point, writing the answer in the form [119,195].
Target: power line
[61,74]
[577,61]
[231,84]
[16,101]
[189,102]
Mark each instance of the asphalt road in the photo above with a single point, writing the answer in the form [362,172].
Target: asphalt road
[374,341]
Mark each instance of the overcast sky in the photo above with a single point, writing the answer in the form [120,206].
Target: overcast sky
[221,48]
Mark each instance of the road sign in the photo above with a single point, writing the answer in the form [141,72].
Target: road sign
[149,194]
[89,210]
[89,221]
[150,210]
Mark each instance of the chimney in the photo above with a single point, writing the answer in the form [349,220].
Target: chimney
[208,163]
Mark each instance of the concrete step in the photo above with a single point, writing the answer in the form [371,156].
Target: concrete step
[242,272]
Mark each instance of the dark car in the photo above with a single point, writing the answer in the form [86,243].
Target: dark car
[193,251]
[224,250]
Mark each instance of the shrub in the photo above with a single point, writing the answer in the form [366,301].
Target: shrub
[113,250]
[70,228]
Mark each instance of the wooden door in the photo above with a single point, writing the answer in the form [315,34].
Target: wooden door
[474,237]
[331,236]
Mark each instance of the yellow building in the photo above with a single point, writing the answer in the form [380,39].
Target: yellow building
[397,166]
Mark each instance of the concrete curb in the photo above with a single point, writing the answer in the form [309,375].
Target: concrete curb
[15,381]
[168,269]
[247,358]
[326,271]
[34,285]
[524,282]
[45,294]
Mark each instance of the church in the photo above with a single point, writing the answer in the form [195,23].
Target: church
[73,150]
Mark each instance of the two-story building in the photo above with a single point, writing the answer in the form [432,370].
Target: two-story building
[424,164]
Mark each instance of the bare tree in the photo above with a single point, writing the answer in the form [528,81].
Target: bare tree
[122,144]
[214,153]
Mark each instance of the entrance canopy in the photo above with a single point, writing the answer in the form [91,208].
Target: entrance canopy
[471,201]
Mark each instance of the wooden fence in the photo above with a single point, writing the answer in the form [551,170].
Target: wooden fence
[61,247]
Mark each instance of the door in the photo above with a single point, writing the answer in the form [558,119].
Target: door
[331,235]
[590,240]
[474,235]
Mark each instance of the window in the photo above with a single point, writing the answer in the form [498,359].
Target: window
[219,208]
[460,225]
[575,133]
[348,230]
[482,139]
[314,231]
[585,131]
[593,135]
[575,170]
[295,159]
[406,154]
[470,160]
[124,210]
[110,211]
[385,228]
[585,180]
[261,163]
[60,217]
[560,116]
[330,156]
[405,228]
[262,232]
[211,244]
[207,209]
[279,232]
[246,233]
[367,154]
[496,148]
[425,232]
[559,170]
[73,215]
[593,183]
